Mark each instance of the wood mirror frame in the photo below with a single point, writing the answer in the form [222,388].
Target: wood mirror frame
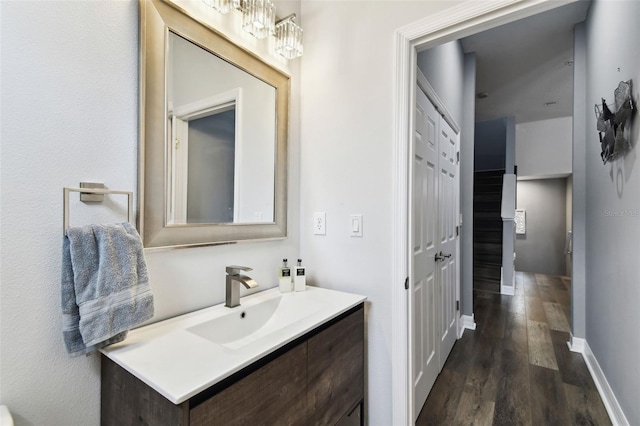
[157,19]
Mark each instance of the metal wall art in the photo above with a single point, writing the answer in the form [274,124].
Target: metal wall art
[611,123]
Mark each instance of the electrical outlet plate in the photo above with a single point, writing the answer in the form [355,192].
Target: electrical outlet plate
[319,223]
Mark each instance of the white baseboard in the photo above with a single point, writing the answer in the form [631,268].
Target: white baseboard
[576,344]
[606,393]
[467,322]
[508,290]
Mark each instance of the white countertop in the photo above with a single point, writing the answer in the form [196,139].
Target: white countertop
[179,364]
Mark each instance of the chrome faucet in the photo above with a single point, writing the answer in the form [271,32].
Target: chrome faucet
[234,277]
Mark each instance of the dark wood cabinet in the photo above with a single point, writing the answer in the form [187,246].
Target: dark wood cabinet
[273,394]
[335,370]
[318,379]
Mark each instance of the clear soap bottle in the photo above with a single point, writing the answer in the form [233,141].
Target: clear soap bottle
[299,277]
[284,277]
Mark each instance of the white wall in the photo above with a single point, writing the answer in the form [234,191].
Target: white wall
[543,148]
[69,113]
[346,157]
[613,208]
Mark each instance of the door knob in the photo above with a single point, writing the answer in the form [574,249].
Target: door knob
[441,256]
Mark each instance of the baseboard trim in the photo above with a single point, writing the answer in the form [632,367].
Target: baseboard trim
[576,344]
[508,290]
[467,322]
[606,393]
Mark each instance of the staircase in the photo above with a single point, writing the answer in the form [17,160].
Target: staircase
[487,230]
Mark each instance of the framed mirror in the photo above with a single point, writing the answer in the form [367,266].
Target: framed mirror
[213,136]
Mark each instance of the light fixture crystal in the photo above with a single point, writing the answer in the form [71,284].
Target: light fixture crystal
[258,18]
[289,38]
[222,6]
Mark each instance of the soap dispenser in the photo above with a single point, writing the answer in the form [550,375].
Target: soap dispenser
[299,277]
[284,276]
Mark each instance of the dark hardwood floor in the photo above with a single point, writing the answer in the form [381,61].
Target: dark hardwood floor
[516,368]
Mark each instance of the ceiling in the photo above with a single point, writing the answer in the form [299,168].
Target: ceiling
[526,67]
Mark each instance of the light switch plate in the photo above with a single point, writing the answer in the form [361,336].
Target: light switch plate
[320,223]
[356,225]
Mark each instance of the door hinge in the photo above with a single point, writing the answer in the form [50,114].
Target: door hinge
[458,156]
[457,230]
[406,283]
[457,305]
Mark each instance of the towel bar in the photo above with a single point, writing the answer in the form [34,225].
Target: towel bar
[67,190]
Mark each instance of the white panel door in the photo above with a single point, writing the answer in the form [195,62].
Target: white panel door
[447,238]
[423,240]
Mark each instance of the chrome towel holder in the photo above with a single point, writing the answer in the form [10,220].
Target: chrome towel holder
[93,192]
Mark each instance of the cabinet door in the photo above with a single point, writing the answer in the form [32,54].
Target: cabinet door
[336,370]
[272,395]
[126,400]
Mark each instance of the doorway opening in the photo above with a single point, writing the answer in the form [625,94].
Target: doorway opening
[456,23]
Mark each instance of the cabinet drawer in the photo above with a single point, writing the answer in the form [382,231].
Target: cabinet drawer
[271,395]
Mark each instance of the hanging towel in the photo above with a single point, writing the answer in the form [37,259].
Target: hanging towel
[105,286]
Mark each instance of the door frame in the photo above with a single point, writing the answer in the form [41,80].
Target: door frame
[450,24]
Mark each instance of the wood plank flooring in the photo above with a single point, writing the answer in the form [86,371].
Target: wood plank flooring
[516,368]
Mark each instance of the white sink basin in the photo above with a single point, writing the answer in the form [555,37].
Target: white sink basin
[182,356]
[244,325]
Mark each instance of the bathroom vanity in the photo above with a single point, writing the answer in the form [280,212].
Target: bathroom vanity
[277,359]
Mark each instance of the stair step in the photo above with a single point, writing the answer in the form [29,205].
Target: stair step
[487,247]
[486,273]
[487,236]
[487,224]
[486,214]
[492,172]
[487,230]
[487,196]
[486,286]
[492,257]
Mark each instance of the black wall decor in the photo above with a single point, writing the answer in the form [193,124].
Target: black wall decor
[611,123]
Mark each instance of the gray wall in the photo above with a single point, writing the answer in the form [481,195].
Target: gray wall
[444,68]
[569,228]
[210,186]
[613,207]
[466,183]
[508,226]
[510,145]
[578,218]
[490,144]
[541,248]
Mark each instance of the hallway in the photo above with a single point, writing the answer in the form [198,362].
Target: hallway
[516,368]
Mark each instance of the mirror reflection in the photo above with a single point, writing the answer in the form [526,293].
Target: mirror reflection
[221,140]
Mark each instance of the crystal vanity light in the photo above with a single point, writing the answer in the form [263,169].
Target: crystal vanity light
[222,6]
[289,38]
[258,18]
